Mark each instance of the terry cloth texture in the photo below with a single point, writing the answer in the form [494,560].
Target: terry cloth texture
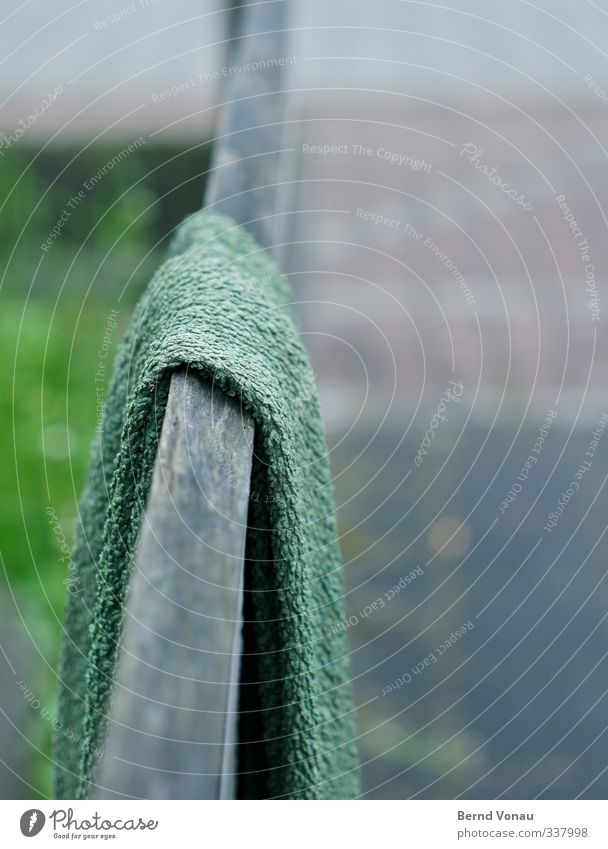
[218,305]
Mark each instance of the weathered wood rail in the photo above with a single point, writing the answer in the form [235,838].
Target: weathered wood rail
[173,716]
[172,730]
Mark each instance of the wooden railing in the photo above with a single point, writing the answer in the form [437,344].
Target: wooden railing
[173,720]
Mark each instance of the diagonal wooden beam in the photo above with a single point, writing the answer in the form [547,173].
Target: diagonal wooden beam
[173,715]
[173,724]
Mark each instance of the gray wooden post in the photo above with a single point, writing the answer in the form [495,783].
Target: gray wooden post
[172,730]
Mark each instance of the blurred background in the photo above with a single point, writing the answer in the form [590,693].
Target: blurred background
[444,227]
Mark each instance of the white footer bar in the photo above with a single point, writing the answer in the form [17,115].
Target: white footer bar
[177,824]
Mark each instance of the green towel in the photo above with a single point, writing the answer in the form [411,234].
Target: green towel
[219,305]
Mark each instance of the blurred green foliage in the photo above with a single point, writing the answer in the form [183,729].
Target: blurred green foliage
[123,218]
[53,308]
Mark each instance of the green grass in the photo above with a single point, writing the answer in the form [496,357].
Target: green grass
[53,309]
[47,420]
